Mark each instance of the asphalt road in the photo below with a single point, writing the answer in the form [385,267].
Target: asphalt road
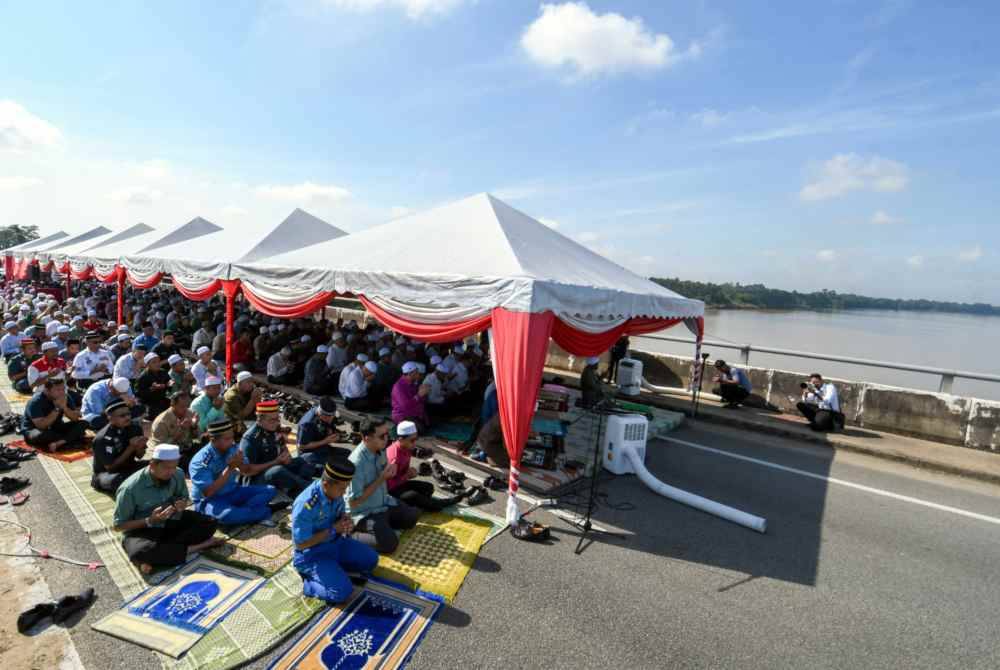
[844,577]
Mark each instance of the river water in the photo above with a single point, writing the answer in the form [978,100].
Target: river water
[952,341]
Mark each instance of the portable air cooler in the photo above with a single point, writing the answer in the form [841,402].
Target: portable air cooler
[622,430]
[629,376]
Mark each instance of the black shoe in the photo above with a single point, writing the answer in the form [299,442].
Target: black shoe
[478,496]
[424,470]
[278,505]
[70,605]
[494,483]
[451,487]
[439,472]
[11,484]
[6,466]
[456,477]
[31,618]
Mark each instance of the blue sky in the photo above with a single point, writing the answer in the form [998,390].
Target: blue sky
[845,144]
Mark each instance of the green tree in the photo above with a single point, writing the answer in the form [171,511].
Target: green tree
[11,236]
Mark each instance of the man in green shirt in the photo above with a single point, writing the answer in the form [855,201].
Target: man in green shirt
[209,405]
[151,509]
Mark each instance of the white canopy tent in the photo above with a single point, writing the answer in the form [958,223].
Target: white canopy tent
[45,254]
[36,243]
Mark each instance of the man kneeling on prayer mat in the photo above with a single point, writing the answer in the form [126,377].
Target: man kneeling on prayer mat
[52,417]
[151,509]
[268,460]
[324,554]
[118,449]
[214,470]
[403,486]
[376,514]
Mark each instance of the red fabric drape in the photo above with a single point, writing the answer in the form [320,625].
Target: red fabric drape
[8,269]
[69,286]
[150,283]
[82,275]
[580,343]
[438,332]
[283,311]
[520,346]
[108,278]
[201,294]
[119,275]
[230,288]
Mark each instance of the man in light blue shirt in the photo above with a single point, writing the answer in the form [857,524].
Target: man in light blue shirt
[10,344]
[214,488]
[375,513]
[734,384]
[100,394]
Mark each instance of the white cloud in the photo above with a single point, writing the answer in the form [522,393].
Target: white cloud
[155,169]
[554,225]
[233,210]
[915,261]
[850,172]
[18,183]
[415,9]
[588,237]
[649,118]
[303,192]
[826,255]
[971,255]
[709,118]
[572,35]
[881,218]
[136,195]
[20,130]
[397,212]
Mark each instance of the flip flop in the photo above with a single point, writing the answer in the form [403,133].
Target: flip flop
[19,498]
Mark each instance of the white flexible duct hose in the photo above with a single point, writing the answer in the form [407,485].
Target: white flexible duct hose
[691,500]
[659,389]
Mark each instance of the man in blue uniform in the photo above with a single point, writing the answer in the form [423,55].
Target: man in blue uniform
[324,553]
[317,432]
[213,481]
[268,460]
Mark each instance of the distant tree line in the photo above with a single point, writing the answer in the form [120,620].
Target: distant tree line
[758,296]
[11,236]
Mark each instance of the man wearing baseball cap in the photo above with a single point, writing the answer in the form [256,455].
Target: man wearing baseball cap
[152,511]
[324,551]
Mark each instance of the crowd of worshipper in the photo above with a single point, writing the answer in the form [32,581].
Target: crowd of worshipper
[218,453]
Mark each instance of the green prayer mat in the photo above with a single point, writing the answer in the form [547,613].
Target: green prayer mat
[452,431]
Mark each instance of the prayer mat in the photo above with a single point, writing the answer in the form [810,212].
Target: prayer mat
[452,431]
[171,617]
[497,524]
[64,456]
[273,612]
[259,547]
[378,628]
[436,554]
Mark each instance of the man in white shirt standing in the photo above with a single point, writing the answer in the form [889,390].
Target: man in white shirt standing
[93,363]
[820,404]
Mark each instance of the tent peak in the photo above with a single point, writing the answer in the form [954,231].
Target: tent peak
[196,227]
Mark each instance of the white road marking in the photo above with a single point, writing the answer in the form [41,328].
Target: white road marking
[840,482]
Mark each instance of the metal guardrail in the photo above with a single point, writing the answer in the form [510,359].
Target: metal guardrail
[947,376]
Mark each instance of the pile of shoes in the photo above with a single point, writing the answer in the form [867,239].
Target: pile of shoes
[422,452]
[293,408]
[11,457]
[59,611]
[454,482]
[13,485]
[530,531]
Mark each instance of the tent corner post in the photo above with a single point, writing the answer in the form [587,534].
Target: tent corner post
[230,289]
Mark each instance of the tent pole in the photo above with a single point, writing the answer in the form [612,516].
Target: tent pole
[230,289]
[120,281]
[69,285]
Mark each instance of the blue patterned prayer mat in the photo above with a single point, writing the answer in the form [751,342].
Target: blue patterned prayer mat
[172,616]
[378,628]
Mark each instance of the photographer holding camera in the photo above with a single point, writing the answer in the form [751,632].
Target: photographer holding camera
[820,404]
[733,384]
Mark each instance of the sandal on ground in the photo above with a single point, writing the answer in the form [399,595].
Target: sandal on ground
[530,532]
[19,498]
[15,454]
[11,484]
[34,616]
[478,497]
[70,605]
